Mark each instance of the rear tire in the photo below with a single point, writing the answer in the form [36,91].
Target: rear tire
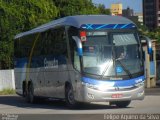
[69,96]
[24,90]
[30,95]
[121,104]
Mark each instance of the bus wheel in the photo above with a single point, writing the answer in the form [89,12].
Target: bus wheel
[122,104]
[69,95]
[30,95]
[24,90]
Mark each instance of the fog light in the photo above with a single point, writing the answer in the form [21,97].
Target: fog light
[140,94]
[91,96]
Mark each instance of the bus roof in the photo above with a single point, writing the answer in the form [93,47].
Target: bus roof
[78,21]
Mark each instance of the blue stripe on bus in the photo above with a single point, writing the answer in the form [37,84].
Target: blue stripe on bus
[115,26]
[107,26]
[114,83]
[21,62]
[89,26]
[124,26]
[80,52]
[102,26]
[149,50]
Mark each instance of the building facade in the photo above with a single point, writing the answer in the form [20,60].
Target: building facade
[135,17]
[116,9]
[151,13]
[140,17]
[128,12]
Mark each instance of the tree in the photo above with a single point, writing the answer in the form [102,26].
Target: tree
[103,10]
[19,16]
[75,7]
[155,34]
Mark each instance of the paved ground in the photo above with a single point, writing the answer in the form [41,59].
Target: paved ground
[153,91]
[16,105]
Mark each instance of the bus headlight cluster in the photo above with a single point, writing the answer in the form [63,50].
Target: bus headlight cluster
[90,85]
[98,87]
[139,84]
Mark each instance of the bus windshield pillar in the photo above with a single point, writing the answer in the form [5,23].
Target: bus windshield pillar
[79,45]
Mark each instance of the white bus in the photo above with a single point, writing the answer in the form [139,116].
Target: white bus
[84,58]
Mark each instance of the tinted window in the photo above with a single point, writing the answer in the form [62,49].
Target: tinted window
[24,46]
[75,59]
[56,42]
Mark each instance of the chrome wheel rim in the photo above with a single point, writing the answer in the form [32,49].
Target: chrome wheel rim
[70,97]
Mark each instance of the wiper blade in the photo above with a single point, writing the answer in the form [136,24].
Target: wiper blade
[125,69]
[105,69]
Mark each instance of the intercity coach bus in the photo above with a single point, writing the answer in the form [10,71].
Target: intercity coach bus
[83,58]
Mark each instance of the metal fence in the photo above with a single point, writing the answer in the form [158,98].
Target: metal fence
[7,79]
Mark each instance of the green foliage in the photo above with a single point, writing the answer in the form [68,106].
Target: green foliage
[103,10]
[75,7]
[21,15]
[154,35]
[7,92]
[18,16]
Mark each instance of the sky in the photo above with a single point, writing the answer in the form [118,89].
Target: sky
[136,5]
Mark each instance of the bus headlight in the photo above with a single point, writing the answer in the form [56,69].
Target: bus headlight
[139,84]
[90,85]
[98,87]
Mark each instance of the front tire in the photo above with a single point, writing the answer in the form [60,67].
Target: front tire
[69,96]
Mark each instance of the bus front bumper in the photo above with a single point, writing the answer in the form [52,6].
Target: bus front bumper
[86,94]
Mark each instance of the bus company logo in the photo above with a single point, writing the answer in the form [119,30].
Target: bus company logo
[50,63]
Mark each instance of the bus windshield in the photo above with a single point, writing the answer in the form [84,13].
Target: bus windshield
[112,54]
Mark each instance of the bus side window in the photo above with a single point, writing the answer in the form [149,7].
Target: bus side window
[56,45]
[17,49]
[25,45]
[73,48]
[38,46]
[43,47]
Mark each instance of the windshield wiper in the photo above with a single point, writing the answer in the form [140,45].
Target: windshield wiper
[107,66]
[125,69]
[123,66]
[105,69]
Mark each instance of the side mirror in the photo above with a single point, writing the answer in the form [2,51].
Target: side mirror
[79,45]
[145,39]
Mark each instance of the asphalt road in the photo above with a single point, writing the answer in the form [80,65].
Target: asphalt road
[16,105]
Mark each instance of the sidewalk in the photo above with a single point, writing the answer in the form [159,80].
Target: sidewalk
[153,91]
[158,83]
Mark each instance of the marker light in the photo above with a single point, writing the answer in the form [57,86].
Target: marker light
[83,36]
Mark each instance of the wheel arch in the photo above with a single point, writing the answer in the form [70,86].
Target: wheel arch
[24,85]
